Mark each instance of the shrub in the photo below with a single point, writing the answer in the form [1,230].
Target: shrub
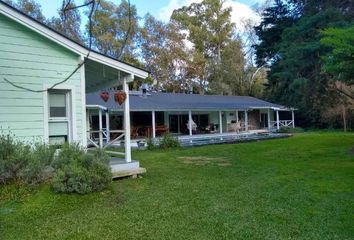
[14,157]
[150,144]
[79,172]
[168,141]
[68,153]
[38,168]
[20,162]
[291,130]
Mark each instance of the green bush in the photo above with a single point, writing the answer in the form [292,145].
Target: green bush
[21,162]
[150,144]
[38,168]
[291,130]
[80,172]
[72,170]
[14,157]
[168,141]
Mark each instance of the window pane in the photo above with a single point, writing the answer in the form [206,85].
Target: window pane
[58,128]
[57,104]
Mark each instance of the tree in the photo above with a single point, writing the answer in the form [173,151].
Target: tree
[209,29]
[339,61]
[290,34]
[164,54]
[31,8]
[68,22]
[115,30]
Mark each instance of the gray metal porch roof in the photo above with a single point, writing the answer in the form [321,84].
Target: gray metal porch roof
[179,101]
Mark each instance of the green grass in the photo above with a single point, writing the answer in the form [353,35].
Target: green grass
[295,188]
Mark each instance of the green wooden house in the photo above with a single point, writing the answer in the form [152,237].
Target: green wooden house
[33,60]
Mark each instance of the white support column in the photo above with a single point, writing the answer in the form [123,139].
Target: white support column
[236,116]
[85,120]
[220,122]
[153,124]
[190,122]
[100,134]
[107,126]
[293,118]
[278,126]
[127,145]
[246,120]
[269,127]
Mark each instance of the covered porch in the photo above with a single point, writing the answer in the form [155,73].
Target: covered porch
[192,125]
[103,76]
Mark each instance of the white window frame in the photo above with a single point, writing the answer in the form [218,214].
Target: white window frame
[71,112]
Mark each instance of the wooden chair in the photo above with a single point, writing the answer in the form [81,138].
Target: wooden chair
[134,132]
[161,129]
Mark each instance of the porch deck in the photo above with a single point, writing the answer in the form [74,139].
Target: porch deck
[229,137]
[219,138]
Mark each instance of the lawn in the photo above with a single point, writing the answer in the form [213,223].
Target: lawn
[296,188]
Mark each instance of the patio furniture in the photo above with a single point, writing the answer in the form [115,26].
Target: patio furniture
[134,132]
[161,129]
[194,126]
[235,127]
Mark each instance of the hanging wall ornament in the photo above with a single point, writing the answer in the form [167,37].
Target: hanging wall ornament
[105,96]
[120,97]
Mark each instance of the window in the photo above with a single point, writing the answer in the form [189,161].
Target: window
[57,104]
[59,116]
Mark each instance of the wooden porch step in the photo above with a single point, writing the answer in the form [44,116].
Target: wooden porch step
[128,173]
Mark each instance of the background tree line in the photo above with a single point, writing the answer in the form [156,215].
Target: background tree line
[300,55]
[308,46]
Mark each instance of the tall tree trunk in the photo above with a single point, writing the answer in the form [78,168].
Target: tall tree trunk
[344,118]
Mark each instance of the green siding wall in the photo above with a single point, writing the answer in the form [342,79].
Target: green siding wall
[31,60]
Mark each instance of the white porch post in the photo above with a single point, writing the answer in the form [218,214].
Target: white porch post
[190,122]
[236,116]
[269,127]
[107,126]
[85,120]
[293,118]
[220,122]
[153,124]
[128,154]
[278,127]
[100,134]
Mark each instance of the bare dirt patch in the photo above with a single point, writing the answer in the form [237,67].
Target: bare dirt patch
[201,161]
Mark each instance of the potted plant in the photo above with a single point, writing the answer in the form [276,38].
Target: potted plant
[120,97]
[105,96]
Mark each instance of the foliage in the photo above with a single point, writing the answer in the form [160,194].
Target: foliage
[209,29]
[150,144]
[79,172]
[20,162]
[68,22]
[164,53]
[31,8]
[291,130]
[168,141]
[289,35]
[294,188]
[340,60]
[113,33]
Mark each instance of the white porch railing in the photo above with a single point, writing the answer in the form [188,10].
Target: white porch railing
[102,138]
[282,123]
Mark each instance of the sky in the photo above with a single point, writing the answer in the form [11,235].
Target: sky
[162,9]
